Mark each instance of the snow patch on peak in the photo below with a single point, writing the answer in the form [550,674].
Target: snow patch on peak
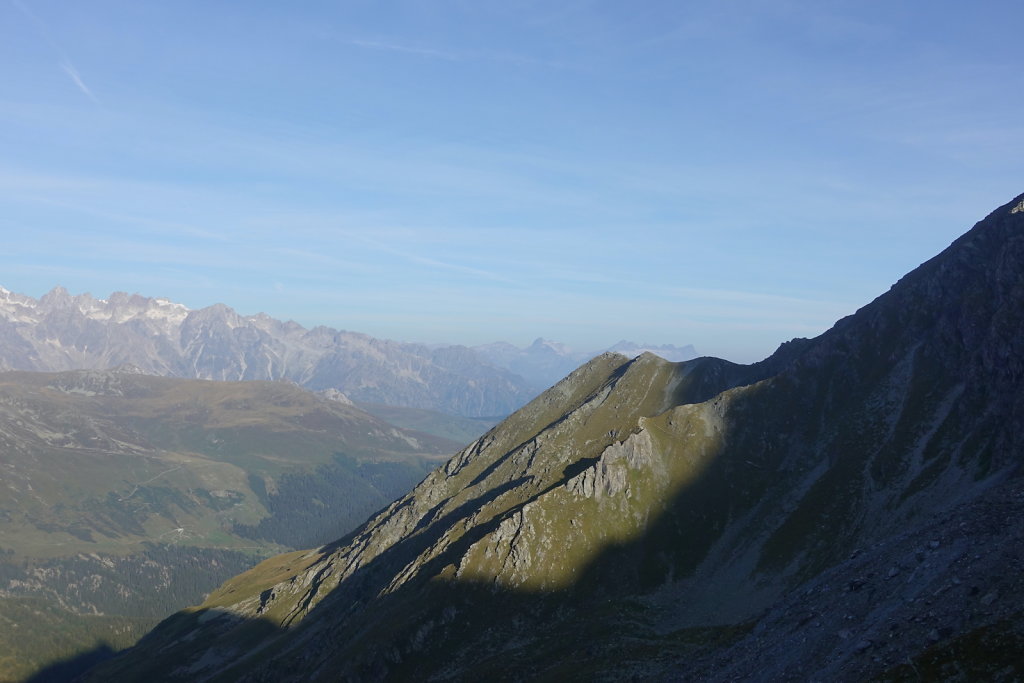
[167,303]
[121,308]
[167,310]
[18,308]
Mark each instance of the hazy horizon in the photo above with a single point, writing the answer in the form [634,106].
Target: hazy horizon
[522,342]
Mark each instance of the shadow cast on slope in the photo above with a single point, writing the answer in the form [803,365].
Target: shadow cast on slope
[67,670]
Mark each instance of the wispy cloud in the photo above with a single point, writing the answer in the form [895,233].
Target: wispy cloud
[65,63]
[71,71]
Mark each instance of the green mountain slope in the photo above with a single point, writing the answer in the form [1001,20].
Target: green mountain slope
[844,510]
[127,496]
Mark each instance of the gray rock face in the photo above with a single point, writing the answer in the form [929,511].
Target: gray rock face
[64,332]
[850,508]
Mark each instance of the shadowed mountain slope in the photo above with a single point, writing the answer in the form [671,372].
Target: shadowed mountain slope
[849,508]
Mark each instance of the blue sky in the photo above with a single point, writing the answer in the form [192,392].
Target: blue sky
[726,174]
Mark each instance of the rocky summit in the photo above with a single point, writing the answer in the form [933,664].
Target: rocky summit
[850,508]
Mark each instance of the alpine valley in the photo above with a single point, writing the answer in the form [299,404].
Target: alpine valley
[850,508]
[126,496]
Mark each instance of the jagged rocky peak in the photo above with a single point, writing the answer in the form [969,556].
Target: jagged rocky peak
[7,295]
[16,307]
[122,307]
[119,307]
[58,297]
[215,314]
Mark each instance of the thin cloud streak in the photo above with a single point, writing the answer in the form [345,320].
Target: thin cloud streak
[71,71]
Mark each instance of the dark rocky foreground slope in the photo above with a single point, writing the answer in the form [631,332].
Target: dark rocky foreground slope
[850,508]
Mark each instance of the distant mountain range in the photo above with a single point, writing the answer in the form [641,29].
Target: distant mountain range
[64,332]
[849,509]
[61,331]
